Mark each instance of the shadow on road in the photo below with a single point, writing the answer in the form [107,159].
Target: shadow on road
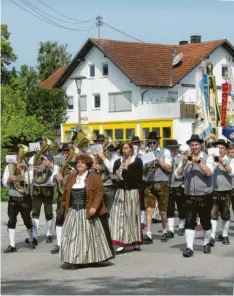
[121,286]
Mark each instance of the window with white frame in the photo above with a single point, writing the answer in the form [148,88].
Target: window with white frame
[172,96]
[83,103]
[105,70]
[224,71]
[121,101]
[92,70]
[97,101]
[70,101]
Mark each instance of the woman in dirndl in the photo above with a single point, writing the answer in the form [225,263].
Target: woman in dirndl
[85,236]
[125,222]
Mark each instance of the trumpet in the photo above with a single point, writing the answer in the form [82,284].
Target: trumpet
[190,159]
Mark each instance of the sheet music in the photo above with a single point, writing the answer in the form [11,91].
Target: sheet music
[97,148]
[59,160]
[34,146]
[148,157]
[213,151]
[11,159]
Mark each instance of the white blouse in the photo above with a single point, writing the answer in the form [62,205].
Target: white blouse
[80,181]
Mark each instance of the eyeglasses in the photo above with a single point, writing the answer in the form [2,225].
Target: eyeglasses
[153,142]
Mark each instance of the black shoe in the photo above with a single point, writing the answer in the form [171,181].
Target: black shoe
[55,250]
[156,221]
[212,242]
[75,266]
[170,234]
[136,249]
[207,249]
[31,246]
[164,238]
[34,241]
[49,239]
[66,265]
[181,231]
[220,238]
[188,252]
[226,240]
[147,240]
[10,249]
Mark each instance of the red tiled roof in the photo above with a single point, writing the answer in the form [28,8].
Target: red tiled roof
[50,82]
[149,64]
[145,64]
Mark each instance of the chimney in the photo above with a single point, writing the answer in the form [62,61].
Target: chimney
[183,42]
[196,39]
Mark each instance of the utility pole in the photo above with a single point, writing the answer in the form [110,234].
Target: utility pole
[99,23]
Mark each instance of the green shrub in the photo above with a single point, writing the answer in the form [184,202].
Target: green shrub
[4,194]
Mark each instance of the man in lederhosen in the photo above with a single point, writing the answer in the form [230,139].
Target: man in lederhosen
[198,189]
[156,185]
[43,194]
[109,187]
[222,184]
[18,203]
[176,192]
[63,151]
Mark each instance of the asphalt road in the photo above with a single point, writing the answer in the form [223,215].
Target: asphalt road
[157,269]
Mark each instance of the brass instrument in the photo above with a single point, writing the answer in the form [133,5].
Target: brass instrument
[20,173]
[84,137]
[40,173]
[190,159]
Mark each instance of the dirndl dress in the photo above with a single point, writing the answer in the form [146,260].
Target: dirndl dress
[84,241]
[125,222]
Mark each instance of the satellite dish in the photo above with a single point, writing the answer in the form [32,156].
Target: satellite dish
[178,59]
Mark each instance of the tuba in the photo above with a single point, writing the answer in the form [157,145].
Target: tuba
[21,173]
[84,137]
[40,173]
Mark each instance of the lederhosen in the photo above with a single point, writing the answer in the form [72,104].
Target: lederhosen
[176,192]
[18,203]
[156,189]
[222,194]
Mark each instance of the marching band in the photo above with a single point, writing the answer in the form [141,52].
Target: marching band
[107,195]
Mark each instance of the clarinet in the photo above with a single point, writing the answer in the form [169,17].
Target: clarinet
[120,170]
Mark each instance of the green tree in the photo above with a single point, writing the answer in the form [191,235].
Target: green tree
[51,56]
[7,54]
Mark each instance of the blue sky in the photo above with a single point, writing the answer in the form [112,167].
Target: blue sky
[156,21]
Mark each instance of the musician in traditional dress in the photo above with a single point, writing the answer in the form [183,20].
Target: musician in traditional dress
[176,192]
[231,155]
[222,185]
[156,185]
[63,151]
[104,166]
[19,202]
[42,171]
[125,221]
[85,236]
[197,169]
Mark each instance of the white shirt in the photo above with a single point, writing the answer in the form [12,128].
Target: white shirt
[80,181]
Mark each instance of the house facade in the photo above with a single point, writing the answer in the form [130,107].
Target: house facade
[132,88]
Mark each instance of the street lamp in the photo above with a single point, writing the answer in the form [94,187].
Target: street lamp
[78,81]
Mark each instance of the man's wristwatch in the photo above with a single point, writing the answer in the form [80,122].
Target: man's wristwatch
[199,161]
[224,165]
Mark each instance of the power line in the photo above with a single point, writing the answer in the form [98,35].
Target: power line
[122,32]
[91,29]
[67,17]
[40,12]
[44,19]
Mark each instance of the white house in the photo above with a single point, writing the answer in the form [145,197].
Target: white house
[132,88]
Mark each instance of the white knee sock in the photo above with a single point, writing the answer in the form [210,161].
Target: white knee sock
[206,234]
[35,223]
[12,237]
[171,224]
[181,224]
[59,235]
[213,229]
[49,227]
[149,234]
[30,234]
[143,217]
[226,225]
[198,221]
[189,236]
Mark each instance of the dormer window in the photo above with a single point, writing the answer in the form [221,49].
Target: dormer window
[91,70]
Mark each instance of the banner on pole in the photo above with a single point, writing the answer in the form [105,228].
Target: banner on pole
[225,91]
